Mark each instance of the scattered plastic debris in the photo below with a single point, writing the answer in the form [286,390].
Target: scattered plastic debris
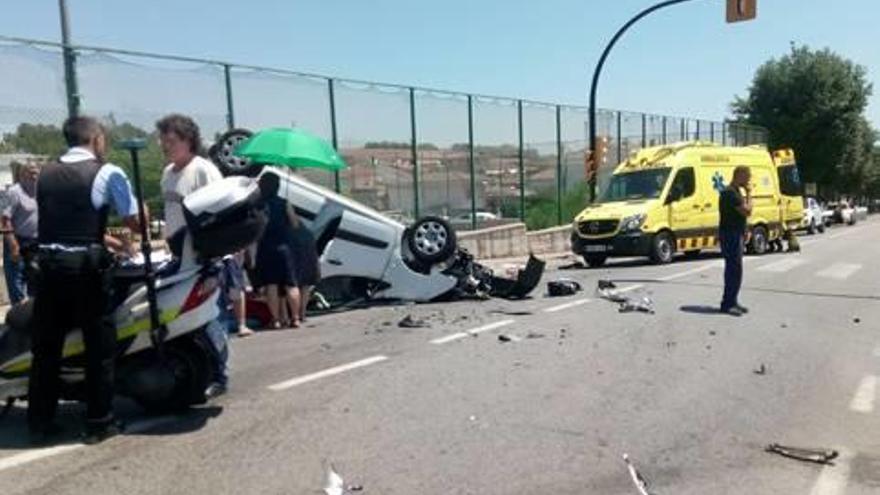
[334,485]
[534,335]
[760,370]
[857,320]
[712,333]
[508,338]
[816,456]
[409,322]
[563,287]
[512,313]
[637,478]
[606,290]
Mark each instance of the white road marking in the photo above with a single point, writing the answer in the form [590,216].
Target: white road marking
[471,332]
[839,271]
[43,453]
[567,305]
[781,266]
[631,287]
[690,272]
[863,400]
[834,478]
[293,382]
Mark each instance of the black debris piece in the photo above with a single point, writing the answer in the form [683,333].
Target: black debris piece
[409,322]
[816,456]
[511,313]
[563,287]
[508,338]
[857,320]
[760,370]
[607,284]
[534,335]
[712,332]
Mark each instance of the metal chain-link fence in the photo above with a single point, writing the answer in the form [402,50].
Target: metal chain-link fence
[477,160]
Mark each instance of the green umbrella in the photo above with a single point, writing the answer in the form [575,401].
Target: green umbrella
[291,148]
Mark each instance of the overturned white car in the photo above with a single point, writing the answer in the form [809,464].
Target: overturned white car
[372,256]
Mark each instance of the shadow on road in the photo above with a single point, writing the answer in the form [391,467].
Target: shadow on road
[701,310]
[14,432]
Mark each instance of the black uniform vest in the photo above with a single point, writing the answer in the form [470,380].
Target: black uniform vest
[64,204]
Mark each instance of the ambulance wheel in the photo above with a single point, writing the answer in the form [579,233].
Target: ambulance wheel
[221,153]
[595,260]
[759,243]
[431,240]
[663,248]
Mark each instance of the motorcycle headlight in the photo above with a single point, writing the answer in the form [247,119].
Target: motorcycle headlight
[632,223]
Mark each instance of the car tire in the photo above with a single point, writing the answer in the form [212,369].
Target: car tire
[595,260]
[759,242]
[431,240]
[663,248]
[812,228]
[821,228]
[221,153]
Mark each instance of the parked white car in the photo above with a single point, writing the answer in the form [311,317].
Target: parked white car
[813,220]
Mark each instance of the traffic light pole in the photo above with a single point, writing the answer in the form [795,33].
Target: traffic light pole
[598,71]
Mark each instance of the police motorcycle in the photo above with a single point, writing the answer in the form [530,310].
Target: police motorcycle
[164,361]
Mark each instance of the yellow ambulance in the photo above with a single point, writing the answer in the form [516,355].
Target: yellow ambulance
[663,200]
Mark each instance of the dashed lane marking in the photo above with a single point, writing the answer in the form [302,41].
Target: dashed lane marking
[863,400]
[834,478]
[839,271]
[471,332]
[293,382]
[781,266]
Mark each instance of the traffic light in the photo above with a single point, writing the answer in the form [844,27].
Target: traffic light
[741,10]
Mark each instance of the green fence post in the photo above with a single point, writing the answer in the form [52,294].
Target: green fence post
[414,150]
[619,138]
[644,130]
[522,164]
[684,130]
[558,165]
[698,130]
[712,131]
[470,103]
[230,113]
[69,56]
[334,138]
[664,129]
[723,134]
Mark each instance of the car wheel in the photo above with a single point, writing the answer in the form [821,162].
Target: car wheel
[821,228]
[595,260]
[759,243]
[431,240]
[812,228]
[221,153]
[663,249]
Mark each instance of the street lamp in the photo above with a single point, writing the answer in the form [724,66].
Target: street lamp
[737,10]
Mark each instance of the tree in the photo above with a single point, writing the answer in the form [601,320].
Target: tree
[814,102]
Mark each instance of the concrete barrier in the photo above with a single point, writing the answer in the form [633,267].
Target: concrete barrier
[511,240]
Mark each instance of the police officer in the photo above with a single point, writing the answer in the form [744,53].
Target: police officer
[74,196]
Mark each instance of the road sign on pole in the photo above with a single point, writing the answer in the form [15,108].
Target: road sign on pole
[741,10]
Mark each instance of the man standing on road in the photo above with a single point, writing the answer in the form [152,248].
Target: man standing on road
[186,173]
[19,221]
[734,211]
[74,196]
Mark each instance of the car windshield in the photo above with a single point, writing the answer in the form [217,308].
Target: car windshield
[644,184]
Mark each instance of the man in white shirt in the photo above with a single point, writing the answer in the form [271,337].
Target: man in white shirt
[186,173]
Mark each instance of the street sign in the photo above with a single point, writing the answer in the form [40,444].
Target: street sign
[741,10]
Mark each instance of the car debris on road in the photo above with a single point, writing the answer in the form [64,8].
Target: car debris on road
[816,456]
[627,304]
[409,322]
[637,478]
[760,370]
[563,287]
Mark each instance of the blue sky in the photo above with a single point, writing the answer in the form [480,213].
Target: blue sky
[681,61]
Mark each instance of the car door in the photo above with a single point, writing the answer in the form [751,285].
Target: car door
[684,206]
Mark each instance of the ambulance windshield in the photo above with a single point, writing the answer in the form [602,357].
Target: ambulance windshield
[644,184]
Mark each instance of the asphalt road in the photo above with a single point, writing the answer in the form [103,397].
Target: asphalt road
[451,409]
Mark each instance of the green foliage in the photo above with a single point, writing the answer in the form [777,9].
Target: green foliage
[541,211]
[47,140]
[814,102]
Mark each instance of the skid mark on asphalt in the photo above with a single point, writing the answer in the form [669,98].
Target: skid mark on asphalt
[572,304]
[834,478]
[839,271]
[471,332]
[863,400]
[781,266]
[293,382]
